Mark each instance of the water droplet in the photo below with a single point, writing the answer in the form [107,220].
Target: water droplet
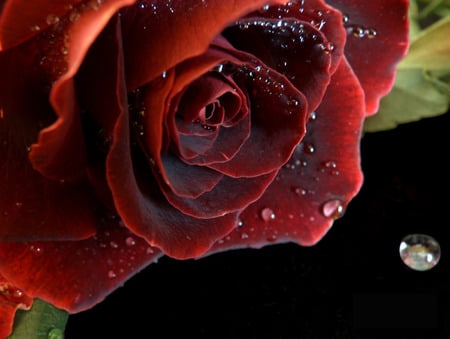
[113,244]
[130,241]
[143,4]
[420,252]
[52,19]
[36,249]
[74,16]
[111,274]
[149,250]
[55,333]
[300,191]
[267,214]
[244,236]
[309,148]
[272,238]
[240,223]
[17,293]
[35,28]
[333,209]
[371,33]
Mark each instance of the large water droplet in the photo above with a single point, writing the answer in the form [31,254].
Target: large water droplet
[420,251]
[333,209]
[267,214]
[130,241]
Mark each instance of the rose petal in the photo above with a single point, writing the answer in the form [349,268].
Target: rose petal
[146,211]
[318,181]
[167,27]
[306,46]
[189,181]
[278,112]
[21,19]
[377,41]
[11,299]
[76,275]
[56,210]
[59,152]
[100,97]
[228,195]
[193,137]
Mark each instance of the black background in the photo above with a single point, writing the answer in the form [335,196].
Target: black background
[352,284]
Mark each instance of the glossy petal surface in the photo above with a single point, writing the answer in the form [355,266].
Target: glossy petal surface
[182,37]
[76,275]
[377,40]
[319,180]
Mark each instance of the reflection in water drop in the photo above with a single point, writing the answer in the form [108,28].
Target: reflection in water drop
[267,214]
[333,209]
[419,252]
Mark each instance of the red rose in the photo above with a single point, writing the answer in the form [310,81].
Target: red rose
[129,130]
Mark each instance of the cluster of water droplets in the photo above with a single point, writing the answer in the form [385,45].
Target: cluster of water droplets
[11,292]
[121,249]
[358,31]
[54,38]
[137,111]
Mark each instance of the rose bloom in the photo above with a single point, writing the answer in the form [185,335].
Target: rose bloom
[131,130]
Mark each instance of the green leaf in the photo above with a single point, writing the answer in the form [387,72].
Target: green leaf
[430,49]
[413,97]
[42,321]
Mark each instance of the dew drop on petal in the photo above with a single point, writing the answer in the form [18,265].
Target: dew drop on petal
[332,209]
[111,274]
[244,236]
[419,252]
[130,241]
[271,238]
[52,19]
[267,214]
[37,250]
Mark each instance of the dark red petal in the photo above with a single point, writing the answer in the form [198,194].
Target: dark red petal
[377,41]
[227,144]
[11,299]
[146,211]
[229,195]
[59,152]
[319,180]
[76,275]
[194,136]
[188,181]
[278,112]
[294,48]
[100,97]
[167,27]
[31,206]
